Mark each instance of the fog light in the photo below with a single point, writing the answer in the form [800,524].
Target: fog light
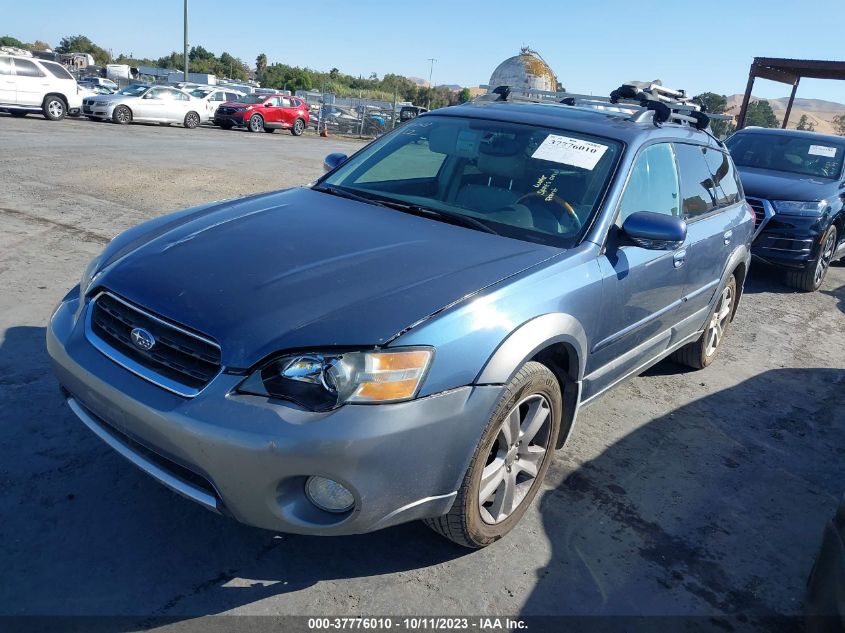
[328,495]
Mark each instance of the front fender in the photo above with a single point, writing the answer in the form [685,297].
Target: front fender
[529,339]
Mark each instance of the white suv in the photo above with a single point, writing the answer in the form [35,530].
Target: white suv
[28,84]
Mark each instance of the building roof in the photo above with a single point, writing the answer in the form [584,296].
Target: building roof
[525,71]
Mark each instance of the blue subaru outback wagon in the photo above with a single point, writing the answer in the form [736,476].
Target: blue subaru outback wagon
[412,336]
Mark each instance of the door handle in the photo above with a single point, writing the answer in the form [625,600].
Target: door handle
[680,258]
[728,236]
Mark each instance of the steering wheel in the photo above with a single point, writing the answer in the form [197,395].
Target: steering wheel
[565,212]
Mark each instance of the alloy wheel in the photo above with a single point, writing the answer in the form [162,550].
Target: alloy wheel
[56,108]
[515,458]
[719,321]
[825,256]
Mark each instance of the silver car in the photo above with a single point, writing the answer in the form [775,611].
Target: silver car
[143,103]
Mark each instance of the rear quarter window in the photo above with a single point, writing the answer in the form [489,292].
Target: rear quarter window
[724,176]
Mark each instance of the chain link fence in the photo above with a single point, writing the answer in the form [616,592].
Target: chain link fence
[352,116]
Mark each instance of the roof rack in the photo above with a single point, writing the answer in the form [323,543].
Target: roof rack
[642,101]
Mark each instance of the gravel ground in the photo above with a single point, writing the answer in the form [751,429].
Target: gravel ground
[686,493]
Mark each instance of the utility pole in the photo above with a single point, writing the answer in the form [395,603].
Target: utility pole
[430,73]
[186,40]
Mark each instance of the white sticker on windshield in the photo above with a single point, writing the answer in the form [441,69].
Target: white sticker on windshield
[822,150]
[570,151]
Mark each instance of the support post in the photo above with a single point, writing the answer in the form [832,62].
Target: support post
[740,121]
[186,40]
[789,105]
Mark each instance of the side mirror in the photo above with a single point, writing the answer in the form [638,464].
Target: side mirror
[655,231]
[333,161]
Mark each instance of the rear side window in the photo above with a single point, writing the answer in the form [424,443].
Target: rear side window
[5,66]
[700,194]
[57,70]
[653,184]
[724,176]
[25,68]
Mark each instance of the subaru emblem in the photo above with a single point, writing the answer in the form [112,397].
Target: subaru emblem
[142,339]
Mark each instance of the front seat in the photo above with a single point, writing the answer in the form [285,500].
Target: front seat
[498,192]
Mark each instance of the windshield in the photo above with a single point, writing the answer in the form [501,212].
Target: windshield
[133,90]
[797,155]
[532,183]
[252,99]
[200,93]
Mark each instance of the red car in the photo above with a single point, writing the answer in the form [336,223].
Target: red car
[264,112]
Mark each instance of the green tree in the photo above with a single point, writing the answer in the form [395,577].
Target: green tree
[464,95]
[716,104]
[839,124]
[82,44]
[260,66]
[8,40]
[38,45]
[760,114]
[804,123]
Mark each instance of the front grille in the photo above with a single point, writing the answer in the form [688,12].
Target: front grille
[225,110]
[178,354]
[759,211]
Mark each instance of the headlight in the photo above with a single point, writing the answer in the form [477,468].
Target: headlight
[321,382]
[797,207]
[88,277]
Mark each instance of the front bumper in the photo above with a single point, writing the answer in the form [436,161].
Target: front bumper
[249,457]
[231,119]
[789,241]
[102,112]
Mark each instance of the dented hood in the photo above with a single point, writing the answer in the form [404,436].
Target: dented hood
[303,269]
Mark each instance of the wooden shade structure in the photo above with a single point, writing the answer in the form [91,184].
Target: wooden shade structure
[787,71]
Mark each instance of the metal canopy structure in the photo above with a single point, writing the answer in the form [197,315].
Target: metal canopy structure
[787,71]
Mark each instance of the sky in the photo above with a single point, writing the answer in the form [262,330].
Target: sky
[592,46]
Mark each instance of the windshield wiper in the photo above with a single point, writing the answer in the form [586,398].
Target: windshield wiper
[345,193]
[453,218]
[406,207]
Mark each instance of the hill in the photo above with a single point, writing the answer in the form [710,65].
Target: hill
[818,111]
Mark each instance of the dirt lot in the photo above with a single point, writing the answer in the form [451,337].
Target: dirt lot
[688,493]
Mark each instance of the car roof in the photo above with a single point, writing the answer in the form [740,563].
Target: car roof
[816,136]
[605,123]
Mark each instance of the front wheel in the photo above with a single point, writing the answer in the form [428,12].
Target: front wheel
[122,114]
[701,353]
[810,278]
[298,127]
[54,108]
[192,120]
[509,463]
[256,123]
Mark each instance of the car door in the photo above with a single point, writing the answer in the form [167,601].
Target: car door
[272,112]
[288,112]
[179,104]
[641,288]
[8,92]
[30,81]
[150,107]
[713,209]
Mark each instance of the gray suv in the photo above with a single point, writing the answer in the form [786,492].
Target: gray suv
[412,336]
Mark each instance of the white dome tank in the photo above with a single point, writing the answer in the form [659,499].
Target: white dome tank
[526,71]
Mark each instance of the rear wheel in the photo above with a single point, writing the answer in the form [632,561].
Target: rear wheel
[54,108]
[256,123]
[509,463]
[298,127]
[810,278]
[700,354]
[192,120]
[122,114]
